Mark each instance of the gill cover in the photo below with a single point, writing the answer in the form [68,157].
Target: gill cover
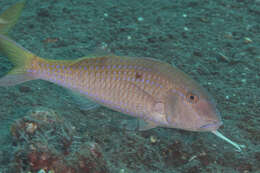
[170,107]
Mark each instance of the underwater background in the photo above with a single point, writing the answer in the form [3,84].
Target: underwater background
[43,129]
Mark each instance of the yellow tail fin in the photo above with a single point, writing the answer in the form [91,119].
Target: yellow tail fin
[20,57]
[17,55]
[9,17]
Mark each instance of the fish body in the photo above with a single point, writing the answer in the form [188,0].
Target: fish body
[145,88]
[123,84]
[153,91]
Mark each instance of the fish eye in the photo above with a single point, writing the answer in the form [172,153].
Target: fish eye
[192,98]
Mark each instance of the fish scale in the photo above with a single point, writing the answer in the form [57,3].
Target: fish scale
[121,85]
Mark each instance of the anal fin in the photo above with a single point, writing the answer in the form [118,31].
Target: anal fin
[82,101]
[14,79]
[146,125]
[133,124]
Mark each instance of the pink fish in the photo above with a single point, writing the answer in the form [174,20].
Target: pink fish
[153,91]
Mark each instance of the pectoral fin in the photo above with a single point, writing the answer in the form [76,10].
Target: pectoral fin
[14,79]
[170,106]
[146,125]
[130,124]
[134,124]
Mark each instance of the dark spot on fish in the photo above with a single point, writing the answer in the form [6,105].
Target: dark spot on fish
[138,76]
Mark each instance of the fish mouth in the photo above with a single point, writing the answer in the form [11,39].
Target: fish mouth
[212,126]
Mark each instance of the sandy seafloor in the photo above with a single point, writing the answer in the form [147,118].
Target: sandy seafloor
[215,42]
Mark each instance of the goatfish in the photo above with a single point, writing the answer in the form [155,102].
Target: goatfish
[155,92]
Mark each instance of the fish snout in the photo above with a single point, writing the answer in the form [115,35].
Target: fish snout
[213,125]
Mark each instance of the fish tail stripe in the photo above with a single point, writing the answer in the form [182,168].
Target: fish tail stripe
[19,56]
